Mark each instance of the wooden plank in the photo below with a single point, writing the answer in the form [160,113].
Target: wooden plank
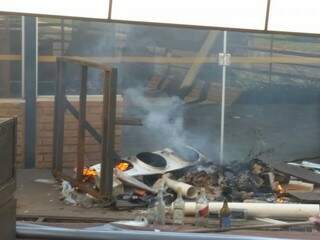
[179,60]
[196,66]
[298,172]
[306,197]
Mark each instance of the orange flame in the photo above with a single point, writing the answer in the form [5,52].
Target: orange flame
[280,191]
[123,166]
[89,172]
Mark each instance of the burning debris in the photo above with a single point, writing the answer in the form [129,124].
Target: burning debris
[159,162]
[157,180]
[89,174]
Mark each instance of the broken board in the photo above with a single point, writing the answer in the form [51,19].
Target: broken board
[295,171]
[310,197]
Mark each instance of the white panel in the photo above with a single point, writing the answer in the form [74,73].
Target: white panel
[245,14]
[295,16]
[71,8]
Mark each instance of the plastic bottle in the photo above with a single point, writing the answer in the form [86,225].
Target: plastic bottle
[178,209]
[225,215]
[202,209]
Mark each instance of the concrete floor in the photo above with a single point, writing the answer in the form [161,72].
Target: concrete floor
[42,199]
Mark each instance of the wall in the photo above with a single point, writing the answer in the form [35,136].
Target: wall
[45,109]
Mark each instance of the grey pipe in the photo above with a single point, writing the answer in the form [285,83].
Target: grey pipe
[54,233]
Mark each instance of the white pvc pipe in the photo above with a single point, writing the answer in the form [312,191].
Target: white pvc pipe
[264,210]
[187,190]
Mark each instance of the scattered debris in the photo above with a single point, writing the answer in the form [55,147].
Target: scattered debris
[70,196]
[44,180]
[67,191]
[131,181]
[138,222]
[262,189]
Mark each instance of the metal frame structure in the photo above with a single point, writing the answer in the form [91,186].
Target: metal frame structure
[30,84]
[108,126]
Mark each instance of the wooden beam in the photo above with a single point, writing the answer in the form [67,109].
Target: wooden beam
[199,60]
[183,60]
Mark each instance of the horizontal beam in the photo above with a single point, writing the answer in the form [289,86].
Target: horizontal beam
[281,74]
[183,60]
[90,62]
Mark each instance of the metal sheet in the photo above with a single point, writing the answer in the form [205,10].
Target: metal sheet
[54,233]
[8,220]
[173,162]
[7,150]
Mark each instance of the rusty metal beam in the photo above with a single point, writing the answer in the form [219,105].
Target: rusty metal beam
[108,131]
[59,120]
[94,133]
[82,121]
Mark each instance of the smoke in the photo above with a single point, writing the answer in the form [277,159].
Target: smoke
[162,117]
[163,124]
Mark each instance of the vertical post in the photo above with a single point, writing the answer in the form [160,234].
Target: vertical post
[82,120]
[59,108]
[223,100]
[30,75]
[271,55]
[22,58]
[5,71]
[62,38]
[108,132]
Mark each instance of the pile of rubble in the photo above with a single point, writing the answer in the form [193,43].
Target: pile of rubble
[258,188]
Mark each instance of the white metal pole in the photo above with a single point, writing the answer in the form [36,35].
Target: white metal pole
[223,92]
[37,57]
[22,58]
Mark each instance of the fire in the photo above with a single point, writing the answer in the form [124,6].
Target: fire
[89,172]
[123,166]
[280,191]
